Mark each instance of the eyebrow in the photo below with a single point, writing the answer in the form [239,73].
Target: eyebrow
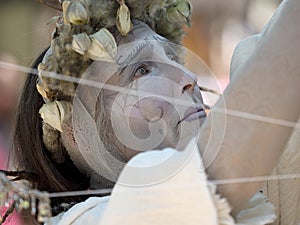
[125,61]
[164,41]
[168,46]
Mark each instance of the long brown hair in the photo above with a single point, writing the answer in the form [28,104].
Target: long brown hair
[29,153]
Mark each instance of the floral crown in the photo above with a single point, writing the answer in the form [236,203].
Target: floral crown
[82,33]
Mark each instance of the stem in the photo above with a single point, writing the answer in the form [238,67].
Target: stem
[121,2]
[8,212]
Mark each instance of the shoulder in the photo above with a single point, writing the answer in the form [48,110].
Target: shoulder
[87,212]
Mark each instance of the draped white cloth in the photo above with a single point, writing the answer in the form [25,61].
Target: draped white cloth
[186,197]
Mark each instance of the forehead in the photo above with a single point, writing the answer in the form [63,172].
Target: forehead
[143,42]
[140,35]
[139,32]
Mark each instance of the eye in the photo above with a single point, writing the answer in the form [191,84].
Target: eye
[141,70]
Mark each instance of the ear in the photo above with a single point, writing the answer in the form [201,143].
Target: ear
[55,4]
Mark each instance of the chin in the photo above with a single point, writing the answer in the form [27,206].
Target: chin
[171,139]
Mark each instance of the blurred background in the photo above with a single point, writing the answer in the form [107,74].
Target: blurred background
[217,27]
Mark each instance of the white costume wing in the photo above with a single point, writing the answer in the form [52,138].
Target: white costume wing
[284,194]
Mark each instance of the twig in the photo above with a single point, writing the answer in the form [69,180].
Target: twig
[7,213]
[54,4]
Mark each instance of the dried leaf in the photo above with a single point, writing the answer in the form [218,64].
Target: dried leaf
[123,21]
[54,4]
[65,109]
[179,13]
[174,16]
[103,47]
[55,113]
[77,14]
[65,7]
[54,19]
[184,7]
[41,90]
[81,43]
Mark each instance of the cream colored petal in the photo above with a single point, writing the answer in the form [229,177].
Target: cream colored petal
[97,52]
[65,6]
[123,21]
[77,13]
[55,113]
[179,13]
[174,16]
[41,90]
[81,43]
[103,46]
[184,7]
[65,109]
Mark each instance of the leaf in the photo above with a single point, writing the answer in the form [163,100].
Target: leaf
[55,113]
[42,91]
[77,14]
[103,47]
[123,21]
[81,43]
[54,19]
[180,12]
[65,7]
[184,7]
[54,4]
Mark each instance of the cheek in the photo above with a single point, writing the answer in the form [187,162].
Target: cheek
[138,124]
[135,118]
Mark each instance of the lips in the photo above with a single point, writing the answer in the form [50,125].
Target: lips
[193,113]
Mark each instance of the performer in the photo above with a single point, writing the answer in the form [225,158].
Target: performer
[112,85]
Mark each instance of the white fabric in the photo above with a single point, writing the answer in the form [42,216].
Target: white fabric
[184,198]
[88,212]
[258,211]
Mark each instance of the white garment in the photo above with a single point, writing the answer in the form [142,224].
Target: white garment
[88,212]
[185,197]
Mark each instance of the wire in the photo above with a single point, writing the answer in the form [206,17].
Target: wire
[217,182]
[240,114]
[80,193]
[133,92]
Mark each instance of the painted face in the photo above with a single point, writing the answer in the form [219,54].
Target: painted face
[160,103]
[145,100]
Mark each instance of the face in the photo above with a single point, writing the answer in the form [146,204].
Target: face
[159,104]
[146,100]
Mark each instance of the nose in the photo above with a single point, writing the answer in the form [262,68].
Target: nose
[188,81]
